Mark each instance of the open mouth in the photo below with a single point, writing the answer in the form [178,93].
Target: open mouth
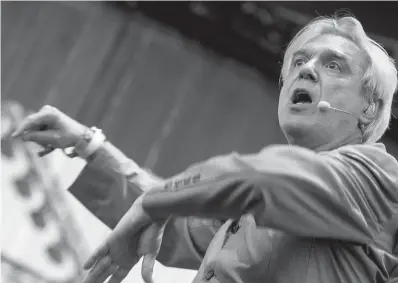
[301,96]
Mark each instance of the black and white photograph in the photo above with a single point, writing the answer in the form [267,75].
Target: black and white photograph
[199,141]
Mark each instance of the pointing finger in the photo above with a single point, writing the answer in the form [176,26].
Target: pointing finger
[35,121]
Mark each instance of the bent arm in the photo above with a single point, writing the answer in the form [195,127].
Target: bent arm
[103,187]
[343,194]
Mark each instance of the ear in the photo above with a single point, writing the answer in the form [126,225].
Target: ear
[368,115]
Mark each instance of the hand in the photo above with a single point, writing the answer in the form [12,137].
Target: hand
[133,236]
[50,128]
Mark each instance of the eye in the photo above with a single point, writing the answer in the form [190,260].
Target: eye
[299,62]
[333,66]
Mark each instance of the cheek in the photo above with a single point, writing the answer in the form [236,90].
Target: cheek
[282,102]
[283,95]
[347,101]
[341,93]
[334,85]
[340,99]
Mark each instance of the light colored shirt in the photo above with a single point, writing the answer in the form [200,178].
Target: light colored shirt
[286,214]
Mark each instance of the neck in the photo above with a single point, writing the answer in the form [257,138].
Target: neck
[316,144]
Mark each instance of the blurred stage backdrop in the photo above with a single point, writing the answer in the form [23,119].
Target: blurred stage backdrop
[170,83]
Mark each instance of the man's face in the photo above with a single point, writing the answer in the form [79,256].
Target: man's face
[328,68]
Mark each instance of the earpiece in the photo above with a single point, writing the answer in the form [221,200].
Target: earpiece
[370,110]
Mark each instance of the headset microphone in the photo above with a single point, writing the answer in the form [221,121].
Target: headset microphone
[324,105]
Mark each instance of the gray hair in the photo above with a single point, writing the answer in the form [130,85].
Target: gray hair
[380,77]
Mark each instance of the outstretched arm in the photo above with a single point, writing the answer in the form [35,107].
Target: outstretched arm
[348,194]
[111,183]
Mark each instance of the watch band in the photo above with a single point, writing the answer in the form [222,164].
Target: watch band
[97,139]
[89,142]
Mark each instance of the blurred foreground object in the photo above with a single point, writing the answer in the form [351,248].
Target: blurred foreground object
[40,239]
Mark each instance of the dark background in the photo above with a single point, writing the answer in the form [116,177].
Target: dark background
[170,83]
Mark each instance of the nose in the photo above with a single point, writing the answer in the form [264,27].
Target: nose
[307,72]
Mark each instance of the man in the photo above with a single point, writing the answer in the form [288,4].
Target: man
[323,209]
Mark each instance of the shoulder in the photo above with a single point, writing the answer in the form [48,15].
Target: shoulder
[372,160]
[371,154]
[365,149]
[362,159]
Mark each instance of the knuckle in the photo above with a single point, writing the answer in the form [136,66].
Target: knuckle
[49,110]
[47,107]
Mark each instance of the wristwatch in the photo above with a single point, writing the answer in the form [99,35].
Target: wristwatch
[89,142]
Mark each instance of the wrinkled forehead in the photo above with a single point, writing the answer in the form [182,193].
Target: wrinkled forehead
[335,45]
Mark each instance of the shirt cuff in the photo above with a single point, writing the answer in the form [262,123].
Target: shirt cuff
[110,159]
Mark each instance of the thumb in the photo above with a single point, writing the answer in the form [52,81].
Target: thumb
[155,234]
[44,138]
[150,239]
[148,264]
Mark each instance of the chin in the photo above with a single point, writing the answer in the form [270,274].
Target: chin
[293,130]
[295,123]
[296,128]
